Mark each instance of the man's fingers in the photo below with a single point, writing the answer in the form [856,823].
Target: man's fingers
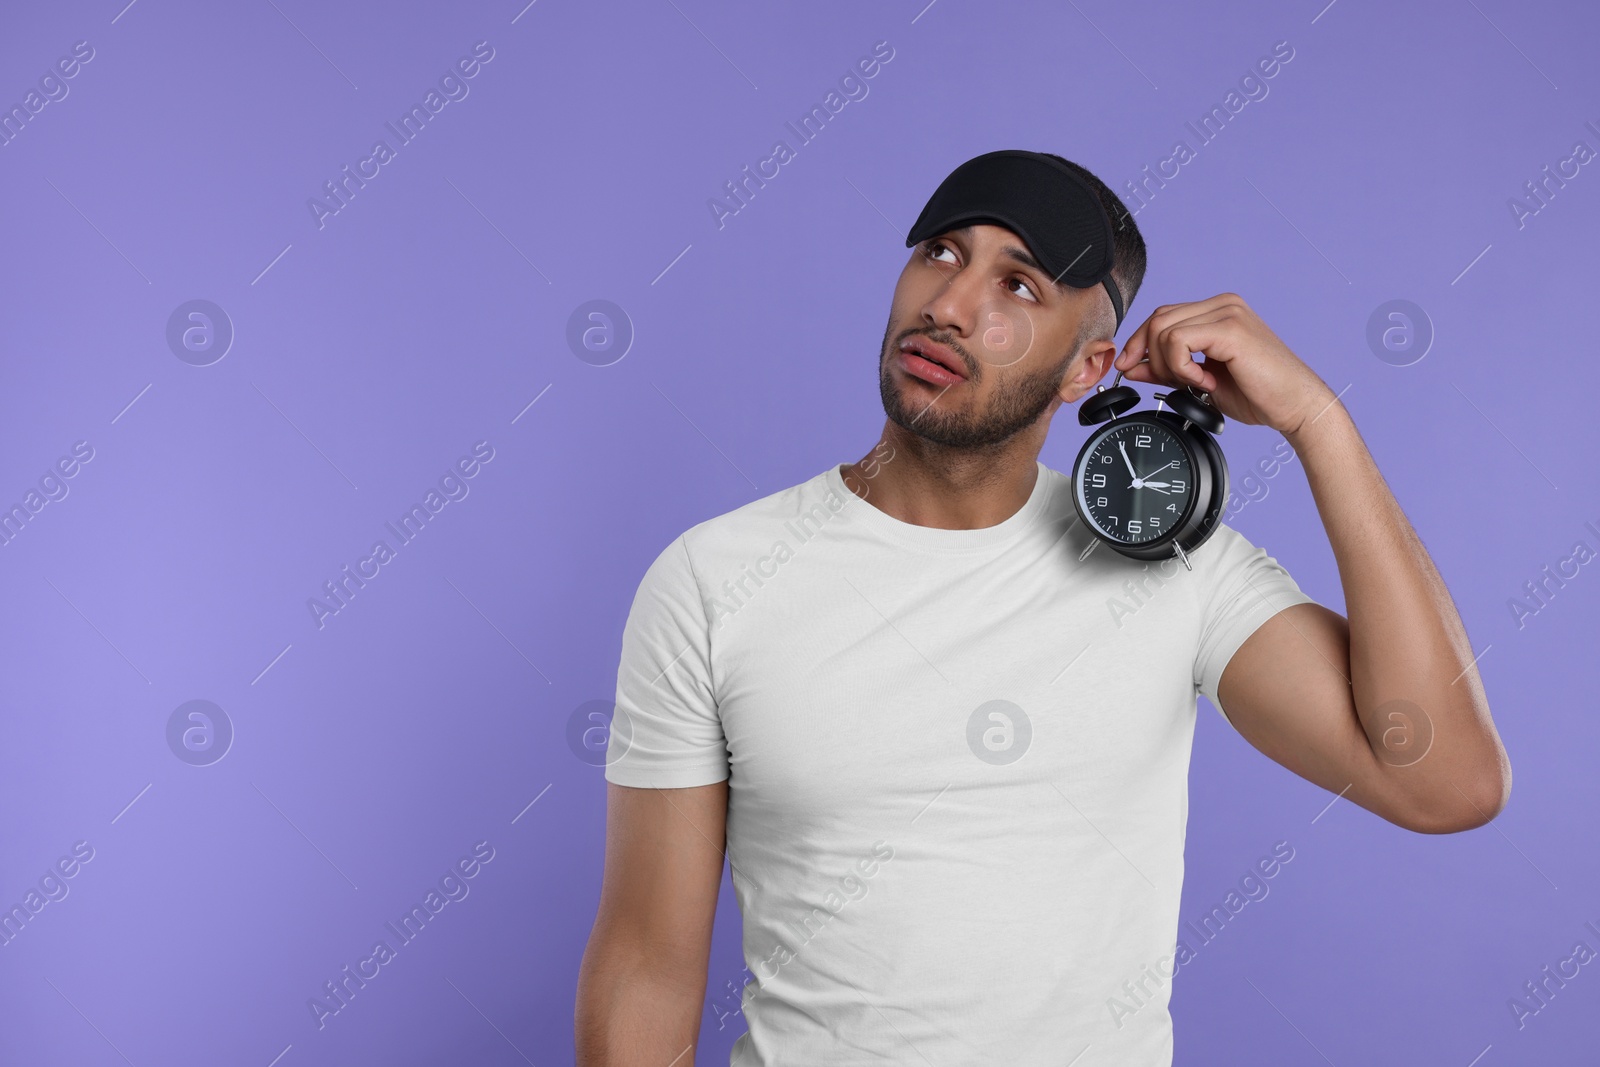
[1137,345]
[1171,359]
[1175,345]
[1133,348]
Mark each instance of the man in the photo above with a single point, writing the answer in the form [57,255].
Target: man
[951,782]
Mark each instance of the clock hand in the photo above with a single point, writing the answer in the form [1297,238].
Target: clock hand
[1123,448]
[1139,481]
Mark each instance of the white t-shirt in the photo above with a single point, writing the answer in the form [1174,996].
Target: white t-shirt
[957,762]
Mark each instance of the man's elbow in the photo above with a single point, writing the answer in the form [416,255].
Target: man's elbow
[1463,806]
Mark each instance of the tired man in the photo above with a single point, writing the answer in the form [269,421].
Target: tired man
[952,786]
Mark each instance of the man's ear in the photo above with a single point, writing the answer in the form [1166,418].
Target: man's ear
[1091,365]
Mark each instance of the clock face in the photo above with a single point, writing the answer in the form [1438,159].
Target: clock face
[1136,482]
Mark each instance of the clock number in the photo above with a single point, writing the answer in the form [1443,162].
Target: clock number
[1105,457]
[1100,501]
[1181,487]
[1134,526]
[1155,522]
[1112,519]
[1097,481]
[1172,508]
[1141,441]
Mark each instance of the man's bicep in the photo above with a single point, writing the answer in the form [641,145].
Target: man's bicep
[1286,691]
[663,871]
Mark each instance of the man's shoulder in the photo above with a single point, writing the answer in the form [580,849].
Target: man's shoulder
[784,515]
[1225,546]
[765,517]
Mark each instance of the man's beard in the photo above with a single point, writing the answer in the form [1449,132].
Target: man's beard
[1015,407]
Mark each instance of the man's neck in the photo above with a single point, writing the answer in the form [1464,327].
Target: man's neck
[926,484]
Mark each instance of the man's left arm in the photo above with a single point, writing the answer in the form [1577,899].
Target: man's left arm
[1384,706]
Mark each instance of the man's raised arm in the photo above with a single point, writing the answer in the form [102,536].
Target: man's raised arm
[1385,708]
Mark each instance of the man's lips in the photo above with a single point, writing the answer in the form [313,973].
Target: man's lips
[931,362]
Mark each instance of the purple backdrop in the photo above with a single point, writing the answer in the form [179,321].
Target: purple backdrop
[240,346]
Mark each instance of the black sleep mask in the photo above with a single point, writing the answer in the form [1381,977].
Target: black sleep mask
[1052,209]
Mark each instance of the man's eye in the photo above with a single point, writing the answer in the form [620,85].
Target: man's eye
[934,248]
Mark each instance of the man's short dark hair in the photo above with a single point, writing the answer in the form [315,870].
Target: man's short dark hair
[1127,244]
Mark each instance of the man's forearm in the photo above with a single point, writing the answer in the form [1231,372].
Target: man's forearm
[1418,697]
[629,1014]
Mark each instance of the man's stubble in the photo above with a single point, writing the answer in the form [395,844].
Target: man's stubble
[1017,405]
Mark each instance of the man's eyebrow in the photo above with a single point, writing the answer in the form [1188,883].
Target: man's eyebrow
[1019,255]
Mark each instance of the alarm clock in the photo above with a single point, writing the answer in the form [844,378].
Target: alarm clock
[1150,484]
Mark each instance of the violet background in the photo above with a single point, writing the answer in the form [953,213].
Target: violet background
[432,311]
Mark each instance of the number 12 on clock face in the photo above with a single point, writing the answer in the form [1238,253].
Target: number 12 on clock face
[1138,481]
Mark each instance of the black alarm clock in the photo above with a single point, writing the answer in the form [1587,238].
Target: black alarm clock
[1150,484]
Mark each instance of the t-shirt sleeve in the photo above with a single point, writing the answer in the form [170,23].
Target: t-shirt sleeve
[666,732]
[1242,587]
